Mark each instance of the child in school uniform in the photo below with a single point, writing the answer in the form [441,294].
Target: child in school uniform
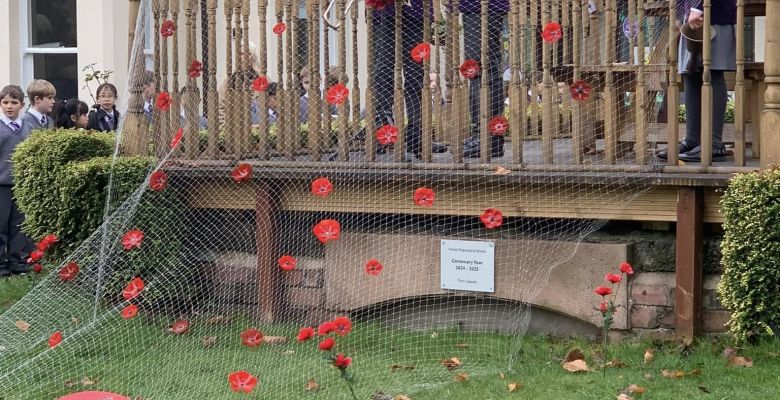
[105,117]
[41,94]
[13,130]
[71,114]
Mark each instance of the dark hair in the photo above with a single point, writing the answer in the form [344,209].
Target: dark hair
[109,86]
[14,91]
[65,109]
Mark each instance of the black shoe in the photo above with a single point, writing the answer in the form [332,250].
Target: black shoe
[19,268]
[437,147]
[4,272]
[471,148]
[682,147]
[718,154]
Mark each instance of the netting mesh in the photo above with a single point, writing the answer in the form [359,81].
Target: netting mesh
[315,161]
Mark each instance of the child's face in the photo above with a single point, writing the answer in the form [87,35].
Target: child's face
[305,82]
[80,120]
[148,92]
[11,107]
[106,99]
[44,105]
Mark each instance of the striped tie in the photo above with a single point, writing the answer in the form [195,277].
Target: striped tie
[14,126]
[43,120]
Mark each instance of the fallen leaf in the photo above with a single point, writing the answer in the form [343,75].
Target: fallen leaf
[695,372]
[401,397]
[23,326]
[575,354]
[86,381]
[218,320]
[615,363]
[209,341]
[451,363]
[512,387]
[462,345]
[739,361]
[311,385]
[501,375]
[576,366]
[672,374]
[274,340]
[70,383]
[648,376]
[704,389]
[461,377]
[649,355]
[75,320]
[729,352]
[634,389]
[397,367]
[502,171]
[773,354]
[624,396]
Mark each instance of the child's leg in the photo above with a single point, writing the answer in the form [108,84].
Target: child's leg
[18,243]
[693,107]
[6,204]
[719,99]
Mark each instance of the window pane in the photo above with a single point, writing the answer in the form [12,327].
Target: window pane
[59,69]
[53,23]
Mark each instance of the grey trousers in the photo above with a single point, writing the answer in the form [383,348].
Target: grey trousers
[693,83]
[14,245]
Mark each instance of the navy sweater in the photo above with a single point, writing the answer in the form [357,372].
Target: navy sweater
[723,12]
[8,142]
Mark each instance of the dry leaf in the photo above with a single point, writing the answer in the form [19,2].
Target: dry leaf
[451,363]
[274,340]
[502,171]
[695,372]
[209,341]
[401,397]
[218,320]
[501,375]
[576,366]
[729,352]
[624,396]
[773,354]
[738,361]
[396,367]
[512,387]
[461,377]
[70,383]
[615,363]
[648,376]
[86,381]
[311,385]
[634,389]
[649,355]
[575,354]
[672,374]
[23,326]
[462,345]
[75,320]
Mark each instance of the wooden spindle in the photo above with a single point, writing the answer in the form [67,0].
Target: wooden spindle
[156,114]
[436,64]
[355,121]
[640,130]
[739,89]
[706,88]
[135,131]
[162,134]
[371,128]
[567,30]
[327,134]
[291,97]
[770,113]
[610,93]
[343,111]
[536,25]
[262,97]
[212,93]
[548,94]
[517,115]
[398,91]
[175,95]
[425,103]
[229,100]
[460,117]
[315,104]
[485,137]
[192,99]
[577,125]
[673,91]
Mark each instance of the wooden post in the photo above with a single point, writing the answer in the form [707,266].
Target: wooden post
[355,121]
[706,89]
[399,148]
[770,116]
[173,119]
[673,93]
[517,104]
[343,112]
[371,127]
[425,104]
[577,122]
[131,22]
[315,104]
[268,283]
[262,98]
[688,260]
[212,112]
[640,146]
[161,127]
[548,93]
[739,89]
[485,137]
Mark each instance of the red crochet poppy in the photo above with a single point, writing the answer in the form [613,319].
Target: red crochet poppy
[321,187]
[177,138]
[287,263]
[552,32]
[180,327]
[326,328]
[421,52]
[327,344]
[252,337]
[374,267]
[46,242]
[163,101]
[341,362]
[580,90]
[132,239]
[337,94]
[260,84]
[35,256]
[279,28]
[603,291]
[469,69]
[196,67]
[424,197]
[69,271]
[327,230]
[158,180]
[626,268]
[133,288]
[55,339]
[343,325]
[130,311]
[387,134]
[242,173]
[305,334]
[498,125]
[492,218]
[377,4]
[242,381]
[37,268]
[167,28]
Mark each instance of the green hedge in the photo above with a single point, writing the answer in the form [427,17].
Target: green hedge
[750,287]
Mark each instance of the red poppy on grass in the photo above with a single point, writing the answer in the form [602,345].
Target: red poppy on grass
[377,4]
[286,263]
[614,278]
[498,125]
[327,230]
[326,328]
[341,361]
[132,239]
[279,28]
[373,267]
[552,32]
[603,291]
[387,134]
[196,67]
[46,242]
[35,256]
[69,271]
[180,327]
[321,187]
[421,52]
[327,344]
[163,102]
[37,268]
[133,288]
[580,90]
[167,28]
[130,311]
[626,268]
[424,197]
[260,84]
[337,94]
[343,325]
[305,334]
[158,180]
[242,381]
[55,339]
[469,69]
[177,138]
[492,218]
[242,173]
[252,337]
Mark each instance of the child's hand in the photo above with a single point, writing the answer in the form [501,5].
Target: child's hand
[695,20]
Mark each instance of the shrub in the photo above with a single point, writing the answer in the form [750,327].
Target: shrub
[750,287]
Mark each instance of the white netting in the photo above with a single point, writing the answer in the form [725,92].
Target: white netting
[527,156]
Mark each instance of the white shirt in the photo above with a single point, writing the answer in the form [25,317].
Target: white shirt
[7,121]
[36,114]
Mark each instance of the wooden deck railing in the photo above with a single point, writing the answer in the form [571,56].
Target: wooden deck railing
[617,124]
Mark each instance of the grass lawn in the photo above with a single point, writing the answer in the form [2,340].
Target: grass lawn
[140,359]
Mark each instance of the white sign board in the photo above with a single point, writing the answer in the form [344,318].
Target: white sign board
[468,265]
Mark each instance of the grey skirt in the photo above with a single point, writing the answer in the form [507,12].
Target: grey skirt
[724,50]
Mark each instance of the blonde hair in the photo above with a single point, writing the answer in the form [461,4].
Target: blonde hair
[40,88]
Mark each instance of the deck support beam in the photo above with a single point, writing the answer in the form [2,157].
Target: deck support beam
[770,115]
[688,260]
[268,285]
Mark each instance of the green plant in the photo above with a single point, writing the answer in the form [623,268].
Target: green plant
[92,74]
[751,250]
[729,118]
